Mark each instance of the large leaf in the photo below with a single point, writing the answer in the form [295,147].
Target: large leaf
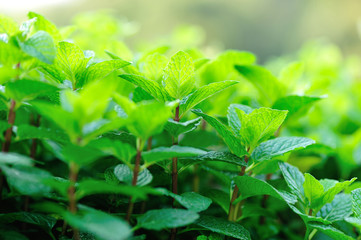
[82,155]
[44,24]
[31,132]
[102,225]
[330,231]
[41,46]
[338,209]
[222,226]
[214,156]
[249,187]
[162,153]
[166,218]
[356,202]
[24,89]
[176,128]
[41,220]
[279,146]
[178,75]
[203,93]
[263,80]
[296,105]
[259,125]
[153,65]
[232,141]
[151,87]
[8,25]
[15,159]
[294,179]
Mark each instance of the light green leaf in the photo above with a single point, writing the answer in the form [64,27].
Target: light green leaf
[356,202]
[178,75]
[279,146]
[41,46]
[153,65]
[203,93]
[263,80]
[162,153]
[177,128]
[91,186]
[222,226]
[331,192]
[103,69]
[233,120]
[259,125]
[295,105]
[232,141]
[291,73]
[330,231]
[123,151]
[72,61]
[82,155]
[31,132]
[124,174]
[249,187]
[15,159]
[8,25]
[102,225]
[166,218]
[313,190]
[151,87]
[338,209]
[44,24]
[294,179]
[23,90]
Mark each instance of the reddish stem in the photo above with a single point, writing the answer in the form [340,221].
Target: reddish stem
[73,176]
[9,131]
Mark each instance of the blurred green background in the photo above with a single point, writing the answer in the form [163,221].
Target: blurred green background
[268,28]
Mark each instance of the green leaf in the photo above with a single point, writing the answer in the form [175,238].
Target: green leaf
[331,192]
[279,146]
[162,153]
[151,87]
[153,65]
[294,179]
[8,25]
[15,159]
[102,225]
[232,116]
[263,80]
[31,132]
[90,187]
[222,226]
[296,105]
[72,61]
[217,157]
[356,202]
[177,128]
[259,125]
[103,69]
[123,151]
[330,231]
[291,73]
[219,197]
[313,190]
[166,218]
[250,187]
[27,180]
[338,209]
[44,24]
[82,155]
[41,46]
[356,222]
[124,174]
[203,93]
[190,200]
[178,75]
[41,220]
[232,141]
[23,90]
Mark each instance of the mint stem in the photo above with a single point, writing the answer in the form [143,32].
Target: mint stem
[73,176]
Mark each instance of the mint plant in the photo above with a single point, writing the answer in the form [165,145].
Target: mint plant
[101,141]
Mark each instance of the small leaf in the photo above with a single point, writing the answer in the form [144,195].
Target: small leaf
[41,46]
[162,153]
[44,24]
[279,146]
[232,142]
[176,128]
[166,218]
[313,190]
[232,116]
[330,231]
[222,226]
[124,174]
[153,65]
[151,87]
[178,75]
[102,225]
[294,179]
[356,202]
[219,157]
[203,93]
[102,69]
